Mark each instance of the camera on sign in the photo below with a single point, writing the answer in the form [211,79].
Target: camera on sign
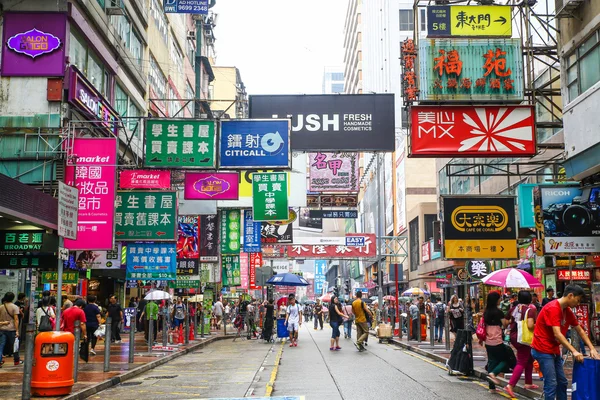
[581,217]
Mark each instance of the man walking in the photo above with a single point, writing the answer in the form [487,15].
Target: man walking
[72,314]
[151,314]
[293,320]
[218,312]
[92,321]
[318,312]
[115,312]
[414,316]
[439,311]
[549,296]
[360,319]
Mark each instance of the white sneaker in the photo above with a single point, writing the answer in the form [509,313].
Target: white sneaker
[92,352]
[117,341]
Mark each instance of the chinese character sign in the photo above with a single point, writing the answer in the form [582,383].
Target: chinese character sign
[465,21]
[209,238]
[255,144]
[336,251]
[151,261]
[144,179]
[69,278]
[68,210]
[256,261]
[333,172]
[273,233]
[93,171]
[172,143]
[477,269]
[187,237]
[468,69]
[146,215]
[244,265]
[27,242]
[408,57]
[230,231]
[251,233]
[269,196]
[231,270]
[211,186]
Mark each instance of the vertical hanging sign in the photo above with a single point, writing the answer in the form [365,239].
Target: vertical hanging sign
[231,270]
[255,262]
[230,232]
[269,196]
[252,235]
[209,236]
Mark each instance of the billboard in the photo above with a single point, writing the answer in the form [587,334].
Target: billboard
[102,259]
[465,21]
[209,238]
[255,144]
[269,196]
[211,186]
[471,70]
[320,270]
[333,172]
[187,237]
[339,251]
[144,179]
[570,217]
[186,6]
[362,122]
[146,215]
[480,131]
[482,227]
[271,233]
[151,261]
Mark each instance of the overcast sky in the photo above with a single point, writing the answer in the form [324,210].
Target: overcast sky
[280,46]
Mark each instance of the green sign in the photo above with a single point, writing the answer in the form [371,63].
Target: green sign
[230,231]
[146,215]
[183,282]
[269,196]
[70,278]
[207,307]
[231,270]
[21,242]
[28,261]
[180,143]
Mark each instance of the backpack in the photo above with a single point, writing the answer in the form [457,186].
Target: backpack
[440,312]
[45,324]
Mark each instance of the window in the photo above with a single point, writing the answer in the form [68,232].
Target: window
[583,67]
[126,108]
[337,76]
[157,79]
[337,88]
[136,48]
[429,219]
[121,101]
[173,106]
[101,2]
[415,246]
[189,97]
[121,23]
[423,20]
[176,56]
[407,20]
[190,51]
[160,20]
[86,60]
[132,123]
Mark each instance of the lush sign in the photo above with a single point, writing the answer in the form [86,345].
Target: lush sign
[230,231]
[269,196]
[465,21]
[151,261]
[146,215]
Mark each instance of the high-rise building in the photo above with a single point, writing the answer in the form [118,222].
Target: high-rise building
[333,80]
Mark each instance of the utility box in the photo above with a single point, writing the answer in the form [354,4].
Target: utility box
[52,372]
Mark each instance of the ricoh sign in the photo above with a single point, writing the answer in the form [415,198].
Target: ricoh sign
[332,122]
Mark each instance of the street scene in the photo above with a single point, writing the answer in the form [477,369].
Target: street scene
[340,199]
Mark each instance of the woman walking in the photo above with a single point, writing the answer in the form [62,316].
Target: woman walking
[336,318]
[494,346]
[523,310]
[469,310]
[457,317]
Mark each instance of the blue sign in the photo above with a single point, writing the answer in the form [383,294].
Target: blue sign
[251,233]
[362,289]
[353,214]
[186,6]
[152,261]
[255,144]
[320,269]
[438,21]
[525,203]
[355,241]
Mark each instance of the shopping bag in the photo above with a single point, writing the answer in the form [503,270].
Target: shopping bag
[524,334]
[101,331]
[586,380]
[16,345]
[84,350]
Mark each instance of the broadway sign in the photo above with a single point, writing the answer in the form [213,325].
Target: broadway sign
[333,122]
[481,131]
[336,251]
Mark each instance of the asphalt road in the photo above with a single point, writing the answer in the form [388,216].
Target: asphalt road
[243,368]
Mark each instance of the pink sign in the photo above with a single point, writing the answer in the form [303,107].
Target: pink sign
[333,172]
[93,169]
[144,179]
[244,270]
[211,186]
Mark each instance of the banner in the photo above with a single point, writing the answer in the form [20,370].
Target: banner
[320,270]
[333,172]
[336,251]
[230,231]
[331,214]
[185,282]
[256,261]
[269,196]
[146,215]
[68,277]
[144,179]
[271,233]
[211,186]
[252,233]
[152,261]
[526,206]
[480,131]
[244,266]
[481,227]
[99,259]
[334,122]
[187,267]
[187,238]
[332,200]
[209,238]
[93,171]
[186,143]
[231,270]
[255,144]
[464,21]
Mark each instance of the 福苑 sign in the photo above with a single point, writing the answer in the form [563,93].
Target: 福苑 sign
[93,171]
[333,172]
[230,231]
[478,269]
[91,103]
[328,214]
[68,277]
[335,251]
[186,6]
[574,275]
[187,237]
[209,238]
[144,179]
[68,210]
[332,200]
[172,143]
[272,234]
[31,37]
[269,196]
[465,21]
[480,131]
[255,262]
[333,122]
[186,267]
[146,215]
[211,186]
[25,242]
[482,227]
[231,270]
[252,231]
[99,259]
[471,70]
[569,219]
[255,144]
[408,58]
[151,261]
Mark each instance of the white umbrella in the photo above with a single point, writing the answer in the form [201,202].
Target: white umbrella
[157,295]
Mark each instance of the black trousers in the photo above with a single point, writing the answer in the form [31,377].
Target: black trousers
[115,329]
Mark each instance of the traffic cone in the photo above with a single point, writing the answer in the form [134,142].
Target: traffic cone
[191,331]
[180,336]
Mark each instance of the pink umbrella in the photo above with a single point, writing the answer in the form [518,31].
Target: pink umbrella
[512,278]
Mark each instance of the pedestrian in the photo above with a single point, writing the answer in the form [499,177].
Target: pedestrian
[267,332]
[218,313]
[227,312]
[141,322]
[132,303]
[45,310]
[348,321]
[469,310]
[360,311]
[336,318]
[66,303]
[92,321]
[414,317]
[318,314]
[536,302]
[494,345]
[72,314]
[549,296]
[551,326]
[524,310]
[9,328]
[457,318]
[151,314]
[439,318]
[293,320]
[115,312]
[23,312]
[306,312]
[178,313]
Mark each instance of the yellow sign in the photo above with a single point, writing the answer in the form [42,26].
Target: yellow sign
[479,219]
[480,249]
[246,182]
[481,21]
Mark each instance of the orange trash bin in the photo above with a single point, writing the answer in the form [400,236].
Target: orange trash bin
[52,372]
[423,327]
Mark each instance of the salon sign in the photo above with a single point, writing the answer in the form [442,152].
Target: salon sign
[33,43]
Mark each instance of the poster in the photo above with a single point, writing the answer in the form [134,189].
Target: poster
[333,172]
[99,259]
[187,237]
[151,261]
[231,270]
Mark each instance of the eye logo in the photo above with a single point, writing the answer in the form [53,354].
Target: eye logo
[479,219]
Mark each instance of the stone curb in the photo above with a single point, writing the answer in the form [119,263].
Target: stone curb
[94,389]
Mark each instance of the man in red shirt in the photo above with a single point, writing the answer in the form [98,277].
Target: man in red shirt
[72,314]
[550,329]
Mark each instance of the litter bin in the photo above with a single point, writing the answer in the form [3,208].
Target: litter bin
[52,373]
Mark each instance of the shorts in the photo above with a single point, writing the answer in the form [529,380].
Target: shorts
[293,326]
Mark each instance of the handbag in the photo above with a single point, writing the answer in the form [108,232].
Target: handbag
[16,345]
[586,380]
[524,334]
[481,330]
[45,323]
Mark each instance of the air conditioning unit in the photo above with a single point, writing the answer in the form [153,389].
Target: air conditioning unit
[115,7]
[565,8]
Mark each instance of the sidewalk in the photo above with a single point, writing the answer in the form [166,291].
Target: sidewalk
[92,379]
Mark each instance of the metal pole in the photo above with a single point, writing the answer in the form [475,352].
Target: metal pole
[397,311]
[419,328]
[76,349]
[401,326]
[28,365]
[61,242]
[151,333]
[447,330]
[202,322]
[198,67]
[195,328]
[132,325]
[380,214]
[186,327]
[431,329]
[225,324]
[164,326]
[107,338]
